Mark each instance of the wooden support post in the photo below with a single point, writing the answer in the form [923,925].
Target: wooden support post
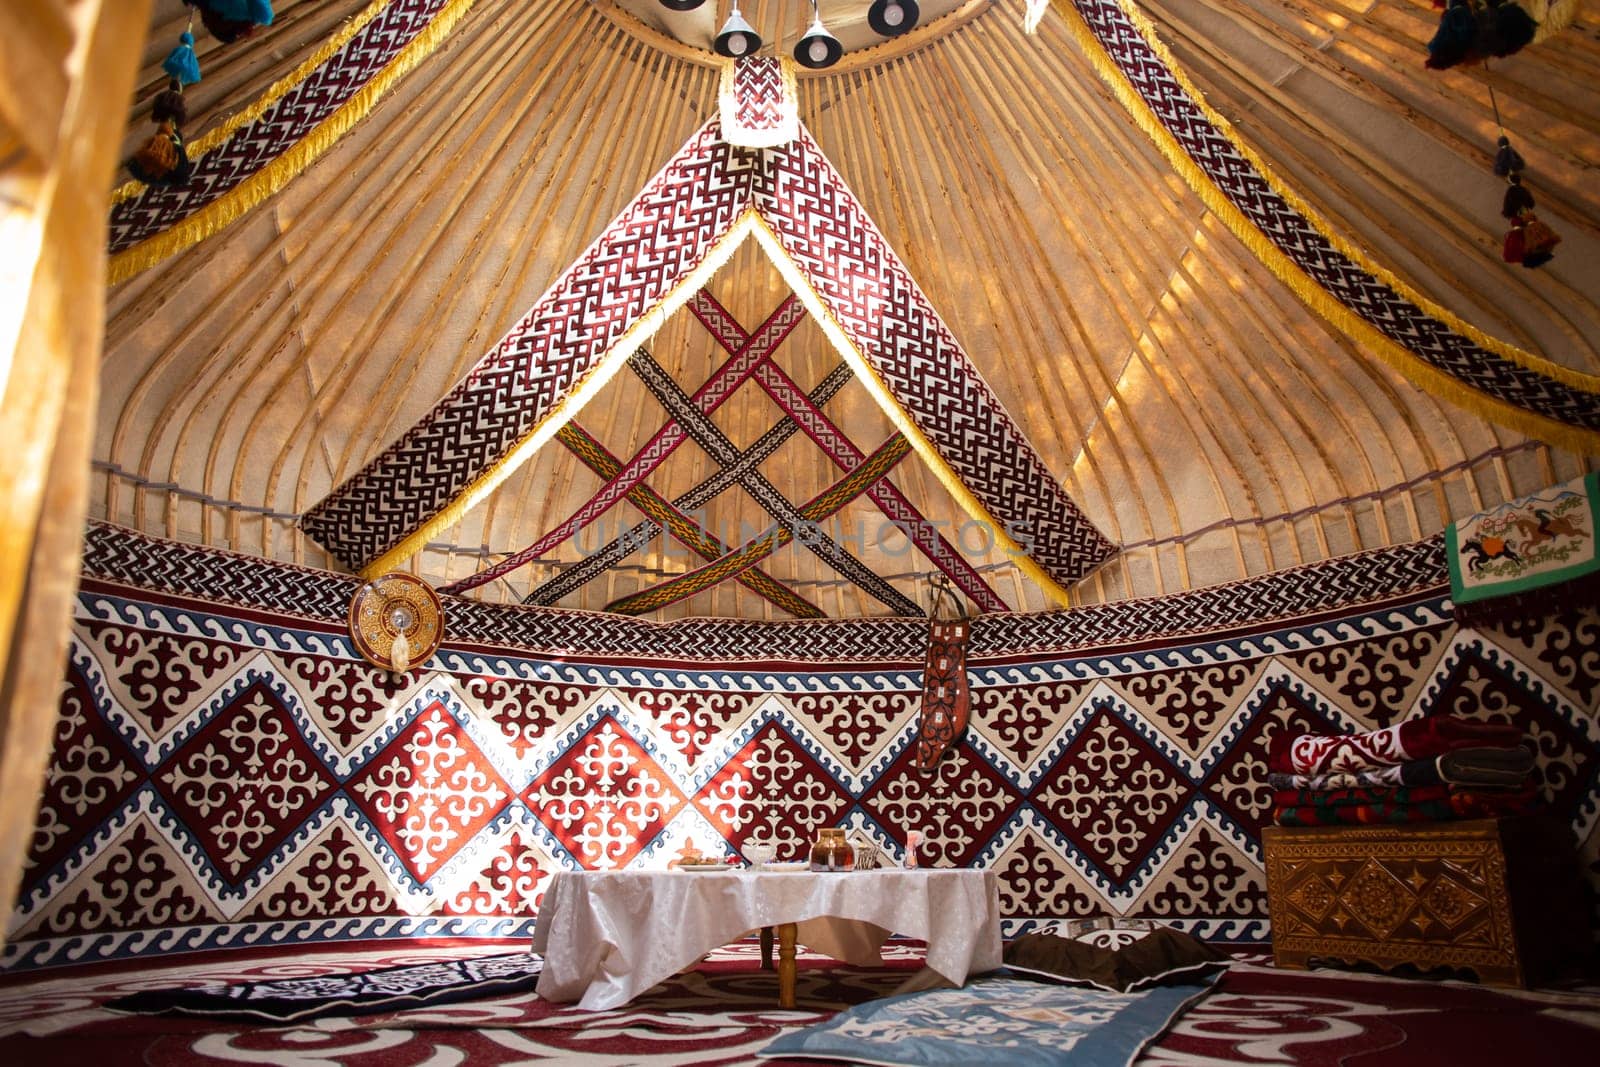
[766,948]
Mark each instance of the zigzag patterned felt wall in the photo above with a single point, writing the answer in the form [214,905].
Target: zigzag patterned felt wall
[226,775]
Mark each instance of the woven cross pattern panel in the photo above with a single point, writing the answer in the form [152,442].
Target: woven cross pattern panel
[636,263]
[722,384]
[716,444]
[809,417]
[614,551]
[258,143]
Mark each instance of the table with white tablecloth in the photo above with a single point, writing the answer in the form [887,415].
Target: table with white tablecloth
[607,936]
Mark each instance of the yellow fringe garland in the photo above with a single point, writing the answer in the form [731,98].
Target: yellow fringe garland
[273,177]
[200,146]
[1430,379]
[885,399]
[568,406]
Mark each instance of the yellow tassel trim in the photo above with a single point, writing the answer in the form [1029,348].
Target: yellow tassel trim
[279,88]
[273,177]
[881,394]
[1422,374]
[568,407]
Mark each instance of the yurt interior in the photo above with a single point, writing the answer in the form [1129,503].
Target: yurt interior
[660,532]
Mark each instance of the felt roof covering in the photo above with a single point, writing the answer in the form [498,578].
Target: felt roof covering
[1185,398]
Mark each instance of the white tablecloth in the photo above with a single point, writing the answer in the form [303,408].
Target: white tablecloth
[607,936]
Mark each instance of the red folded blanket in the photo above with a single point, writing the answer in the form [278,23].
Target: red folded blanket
[1410,740]
[1492,768]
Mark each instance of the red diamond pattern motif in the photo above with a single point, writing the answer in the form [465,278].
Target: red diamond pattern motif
[605,799]
[958,808]
[1112,794]
[429,791]
[245,782]
[91,773]
[773,790]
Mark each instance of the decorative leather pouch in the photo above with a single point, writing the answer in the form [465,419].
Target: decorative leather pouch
[946,697]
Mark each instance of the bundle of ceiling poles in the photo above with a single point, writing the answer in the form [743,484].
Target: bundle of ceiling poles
[818,48]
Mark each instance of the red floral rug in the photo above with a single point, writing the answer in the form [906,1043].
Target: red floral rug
[1260,1015]
[724,1011]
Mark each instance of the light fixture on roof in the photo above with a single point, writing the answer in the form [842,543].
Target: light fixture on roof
[818,48]
[891,18]
[681,5]
[737,37]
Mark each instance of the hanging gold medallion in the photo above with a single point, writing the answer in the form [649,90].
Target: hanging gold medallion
[396,621]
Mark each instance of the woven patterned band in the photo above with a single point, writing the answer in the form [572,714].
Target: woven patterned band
[1434,348]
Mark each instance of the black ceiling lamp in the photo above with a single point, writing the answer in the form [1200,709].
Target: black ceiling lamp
[891,18]
[681,5]
[737,37]
[818,48]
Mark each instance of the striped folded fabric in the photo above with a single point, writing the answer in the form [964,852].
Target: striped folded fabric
[1454,803]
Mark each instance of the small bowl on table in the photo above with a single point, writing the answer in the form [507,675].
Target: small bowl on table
[759,853]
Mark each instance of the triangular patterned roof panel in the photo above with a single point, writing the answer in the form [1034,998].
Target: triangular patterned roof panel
[604,305]
[871,296]
[651,259]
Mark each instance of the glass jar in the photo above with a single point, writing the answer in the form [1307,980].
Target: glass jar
[831,852]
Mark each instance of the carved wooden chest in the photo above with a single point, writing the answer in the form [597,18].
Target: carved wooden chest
[1499,897]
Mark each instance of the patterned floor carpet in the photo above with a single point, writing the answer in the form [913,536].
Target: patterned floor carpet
[724,1011]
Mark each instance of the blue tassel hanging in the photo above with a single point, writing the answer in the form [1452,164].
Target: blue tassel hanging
[181,63]
[258,12]
[1507,160]
[1505,29]
[1452,44]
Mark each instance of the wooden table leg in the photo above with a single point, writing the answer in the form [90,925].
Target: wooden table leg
[766,948]
[786,935]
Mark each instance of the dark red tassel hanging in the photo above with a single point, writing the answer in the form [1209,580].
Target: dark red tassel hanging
[1517,199]
[225,29]
[1503,29]
[168,106]
[1529,241]
[1515,245]
[1452,44]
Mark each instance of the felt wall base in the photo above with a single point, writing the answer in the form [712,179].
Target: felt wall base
[230,776]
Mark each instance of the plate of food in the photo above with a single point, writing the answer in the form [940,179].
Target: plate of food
[706,865]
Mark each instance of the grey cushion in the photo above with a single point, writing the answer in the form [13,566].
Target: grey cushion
[1117,958]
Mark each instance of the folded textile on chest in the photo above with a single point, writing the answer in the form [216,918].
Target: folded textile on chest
[1456,803]
[1505,767]
[1396,745]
